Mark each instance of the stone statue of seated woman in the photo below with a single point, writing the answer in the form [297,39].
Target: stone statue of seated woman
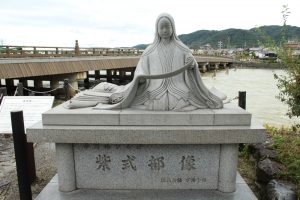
[167,78]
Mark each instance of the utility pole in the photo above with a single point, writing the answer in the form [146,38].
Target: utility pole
[77,52]
[220,44]
[228,42]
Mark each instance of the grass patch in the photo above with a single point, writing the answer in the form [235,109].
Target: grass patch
[246,167]
[286,141]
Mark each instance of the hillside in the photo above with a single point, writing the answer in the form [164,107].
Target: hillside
[235,37]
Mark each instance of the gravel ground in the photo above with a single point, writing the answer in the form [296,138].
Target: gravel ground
[45,168]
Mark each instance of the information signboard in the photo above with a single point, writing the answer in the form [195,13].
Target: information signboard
[32,107]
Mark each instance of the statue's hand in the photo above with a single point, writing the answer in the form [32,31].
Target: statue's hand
[142,80]
[105,87]
[109,87]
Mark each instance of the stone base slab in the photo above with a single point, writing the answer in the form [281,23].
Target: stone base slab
[229,115]
[51,192]
[146,134]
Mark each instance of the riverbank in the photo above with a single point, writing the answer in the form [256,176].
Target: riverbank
[272,168]
[286,142]
[260,65]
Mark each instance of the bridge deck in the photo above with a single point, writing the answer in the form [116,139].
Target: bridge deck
[29,67]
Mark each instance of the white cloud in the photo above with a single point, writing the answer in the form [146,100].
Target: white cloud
[126,23]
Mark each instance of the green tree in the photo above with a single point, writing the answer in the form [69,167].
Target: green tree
[289,84]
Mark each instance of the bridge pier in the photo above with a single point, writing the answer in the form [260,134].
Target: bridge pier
[122,76]
[86,81]
[25,84]
[223,65]
[38,83]
[54,84]
[9,84]
[132,73]
[73,80]
[108,75]
[216,66]
[97,74]
[208,66]
[38,86]
[204,69]
[116,76]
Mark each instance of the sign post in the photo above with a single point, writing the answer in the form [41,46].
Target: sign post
[20,154]
[32,107]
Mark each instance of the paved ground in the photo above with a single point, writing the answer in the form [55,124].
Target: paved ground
[45,168]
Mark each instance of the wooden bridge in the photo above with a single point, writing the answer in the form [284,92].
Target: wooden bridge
[54,64]
[13,51]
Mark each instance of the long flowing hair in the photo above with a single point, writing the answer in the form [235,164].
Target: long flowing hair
[157,38]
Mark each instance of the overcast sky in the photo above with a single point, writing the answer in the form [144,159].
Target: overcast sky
[117,23]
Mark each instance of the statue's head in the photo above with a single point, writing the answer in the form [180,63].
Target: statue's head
[164,28]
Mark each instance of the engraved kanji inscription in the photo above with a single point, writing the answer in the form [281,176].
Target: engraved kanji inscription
[187,163]
[103,162]
[184,180]
[195,180]
[156,163]
[129,163]
[171,180]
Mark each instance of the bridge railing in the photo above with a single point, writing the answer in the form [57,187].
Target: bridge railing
[14,51]
[7,51]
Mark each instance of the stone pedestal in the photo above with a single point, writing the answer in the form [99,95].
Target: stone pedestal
[146,150]
[50,192]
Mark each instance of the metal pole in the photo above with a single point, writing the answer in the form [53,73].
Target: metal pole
[242,99]
[30,161]
[67,89]
[3,92]
[242,104]
[97,74]
[87,81]
[19,138]
[20,89]
[108,75]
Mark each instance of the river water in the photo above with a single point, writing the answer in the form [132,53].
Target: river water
[261,89]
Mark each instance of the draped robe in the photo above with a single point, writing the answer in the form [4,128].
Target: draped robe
[166,78]
[180,92]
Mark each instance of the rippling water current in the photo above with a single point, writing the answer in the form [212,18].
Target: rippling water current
[261,89]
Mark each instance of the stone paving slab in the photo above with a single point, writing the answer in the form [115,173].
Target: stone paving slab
[50,192]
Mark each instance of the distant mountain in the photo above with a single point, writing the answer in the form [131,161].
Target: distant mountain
[141,46]
[228,37]
[236,37]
